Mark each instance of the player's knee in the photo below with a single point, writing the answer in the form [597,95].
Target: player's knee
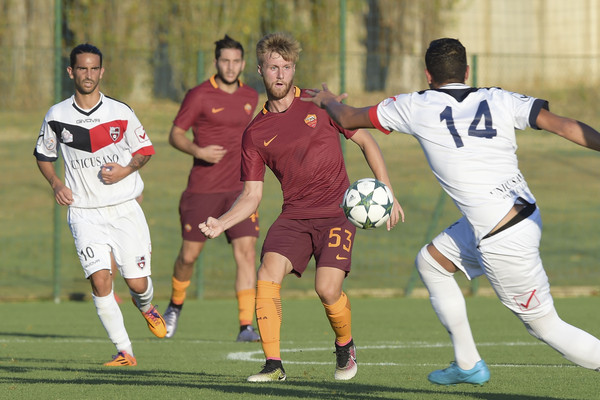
[186,259]
[245,259]
[420,261]
[328,294]
[101,282]
[139,285]
[427,265]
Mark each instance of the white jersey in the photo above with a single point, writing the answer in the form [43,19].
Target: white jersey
[109,132]
[468,137]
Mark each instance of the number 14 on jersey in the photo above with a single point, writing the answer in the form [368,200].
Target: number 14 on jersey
[483,113]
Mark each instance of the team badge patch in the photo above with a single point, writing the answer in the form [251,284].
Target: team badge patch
[50,144]
[115,131]
[187,227]
[311,120]
[248,108]
[66,136]
[527,301]
[141,261]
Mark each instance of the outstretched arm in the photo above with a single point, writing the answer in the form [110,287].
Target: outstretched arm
[570,129]
[246,204]
[374,158]
[344,115]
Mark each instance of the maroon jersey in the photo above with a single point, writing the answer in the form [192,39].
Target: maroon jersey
[217,118]
[302,148]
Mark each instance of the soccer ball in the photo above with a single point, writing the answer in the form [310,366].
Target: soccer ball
[368,203]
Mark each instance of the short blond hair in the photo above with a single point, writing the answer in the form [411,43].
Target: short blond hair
[281,43]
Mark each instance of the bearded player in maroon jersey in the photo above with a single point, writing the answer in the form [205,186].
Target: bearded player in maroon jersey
[300,143]
[217,111]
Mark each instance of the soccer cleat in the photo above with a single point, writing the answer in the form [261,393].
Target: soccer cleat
[478,375]
[272,372]
[247,334]
[122,359]
[171,317]
[346,366]
[155,321]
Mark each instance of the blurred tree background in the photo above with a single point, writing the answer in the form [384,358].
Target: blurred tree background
[158,49]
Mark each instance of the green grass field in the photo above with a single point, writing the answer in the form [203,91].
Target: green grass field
[55,351]
[50,351]
[564,178]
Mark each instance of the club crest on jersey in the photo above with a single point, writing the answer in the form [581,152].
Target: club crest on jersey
[248,108]
[115,132]
[66,136]
[50,144]
[141,261]
[311,120]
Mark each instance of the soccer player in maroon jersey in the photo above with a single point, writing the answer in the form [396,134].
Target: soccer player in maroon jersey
[217,111]
[300,143]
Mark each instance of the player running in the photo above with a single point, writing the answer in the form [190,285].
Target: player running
[468,137]
[301,145]
[103,145]
[218,110]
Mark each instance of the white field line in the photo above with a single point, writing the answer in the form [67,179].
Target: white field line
[257,355]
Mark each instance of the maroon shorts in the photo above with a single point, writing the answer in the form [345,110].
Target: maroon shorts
[328,239]
[195,208]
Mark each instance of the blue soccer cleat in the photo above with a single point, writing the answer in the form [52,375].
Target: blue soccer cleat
[478,375]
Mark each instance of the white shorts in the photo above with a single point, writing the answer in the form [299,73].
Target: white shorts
[509,259]
[121,230]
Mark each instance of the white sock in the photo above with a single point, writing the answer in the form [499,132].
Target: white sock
[449,304]
[572,343]
[110,315]
[144,300]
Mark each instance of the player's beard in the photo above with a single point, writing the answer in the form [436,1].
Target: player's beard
[81,88]
[278,93]
[226,81]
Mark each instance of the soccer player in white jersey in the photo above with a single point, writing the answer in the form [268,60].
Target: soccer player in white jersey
[103,145]
[468,137]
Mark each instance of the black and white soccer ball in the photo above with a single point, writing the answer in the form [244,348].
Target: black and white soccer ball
[368,203]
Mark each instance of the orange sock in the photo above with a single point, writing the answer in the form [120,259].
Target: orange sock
[246,306]
[340,318]
[178,293]
[268,317]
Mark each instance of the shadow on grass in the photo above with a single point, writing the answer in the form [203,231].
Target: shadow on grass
[230,385]
[44,336]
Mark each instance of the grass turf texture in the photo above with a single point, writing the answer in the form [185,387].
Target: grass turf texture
[50,351]
[564,177]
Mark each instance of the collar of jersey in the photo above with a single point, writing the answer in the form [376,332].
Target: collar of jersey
[91,110]
[297,93]
[454,86]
